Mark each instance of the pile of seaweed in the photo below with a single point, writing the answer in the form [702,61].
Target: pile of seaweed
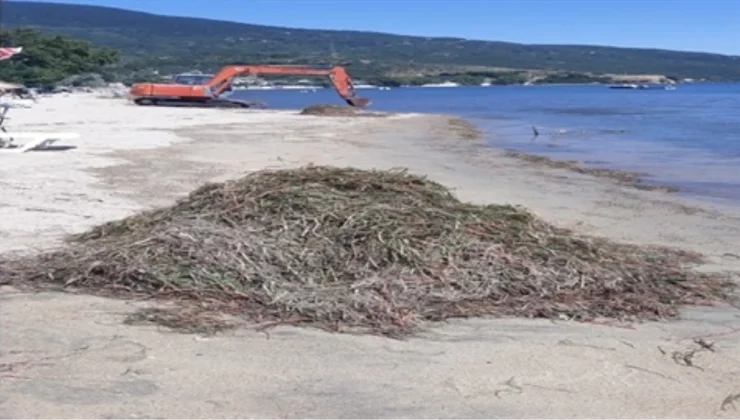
[379,250]
[338,111]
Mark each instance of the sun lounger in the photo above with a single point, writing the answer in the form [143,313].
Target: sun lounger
[33,140]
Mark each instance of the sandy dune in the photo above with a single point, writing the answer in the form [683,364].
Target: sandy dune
[70,356]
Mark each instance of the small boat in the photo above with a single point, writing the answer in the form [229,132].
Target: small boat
[441,85]
[626,86]
[633,86]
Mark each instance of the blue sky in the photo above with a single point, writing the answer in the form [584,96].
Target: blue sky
[694,25]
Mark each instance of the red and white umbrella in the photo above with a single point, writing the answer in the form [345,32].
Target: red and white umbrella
[6,53]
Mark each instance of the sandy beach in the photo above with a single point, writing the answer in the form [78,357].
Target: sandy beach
[66,355]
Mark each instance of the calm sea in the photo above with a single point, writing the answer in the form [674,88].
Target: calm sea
[688,137]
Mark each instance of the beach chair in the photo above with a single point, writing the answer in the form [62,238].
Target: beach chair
[4,107]
[34,140]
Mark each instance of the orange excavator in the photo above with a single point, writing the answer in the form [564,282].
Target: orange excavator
[210,93]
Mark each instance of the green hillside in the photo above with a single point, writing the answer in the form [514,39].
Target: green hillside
[176,43]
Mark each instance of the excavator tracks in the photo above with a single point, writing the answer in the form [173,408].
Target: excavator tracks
[209,103]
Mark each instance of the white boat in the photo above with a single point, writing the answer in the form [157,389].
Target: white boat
[625,86]
[440,85]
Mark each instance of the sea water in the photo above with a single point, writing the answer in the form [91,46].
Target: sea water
[688,138]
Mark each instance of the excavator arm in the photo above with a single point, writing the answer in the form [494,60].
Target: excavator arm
[221,81]
[338,76]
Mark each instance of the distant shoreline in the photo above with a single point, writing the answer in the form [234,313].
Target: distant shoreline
[441,86]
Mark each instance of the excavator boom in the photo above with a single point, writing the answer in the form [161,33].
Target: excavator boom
[209,93]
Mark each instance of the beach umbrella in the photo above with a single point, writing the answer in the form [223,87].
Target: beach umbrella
[7,52]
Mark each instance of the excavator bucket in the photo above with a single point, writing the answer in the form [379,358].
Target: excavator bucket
[357,102]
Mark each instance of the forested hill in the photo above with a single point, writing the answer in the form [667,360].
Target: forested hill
[176,43]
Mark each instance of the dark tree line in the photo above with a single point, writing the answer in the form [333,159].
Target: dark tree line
[46,60]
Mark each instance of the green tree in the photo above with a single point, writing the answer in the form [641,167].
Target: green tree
[46,60]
